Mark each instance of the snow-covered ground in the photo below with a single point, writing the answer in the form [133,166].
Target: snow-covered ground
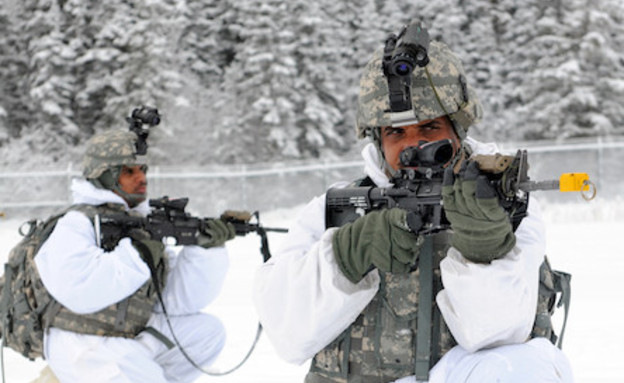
[583,239]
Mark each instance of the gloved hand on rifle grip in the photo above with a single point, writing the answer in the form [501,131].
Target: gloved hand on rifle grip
[151,250]
[379,239]
[215,232]
[482,230]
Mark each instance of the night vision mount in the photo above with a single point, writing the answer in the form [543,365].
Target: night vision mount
[402,54]
[139,117]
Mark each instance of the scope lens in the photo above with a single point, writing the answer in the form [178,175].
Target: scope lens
[444,154]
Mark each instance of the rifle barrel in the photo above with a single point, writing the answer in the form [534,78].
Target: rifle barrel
[276,229]
[529,186]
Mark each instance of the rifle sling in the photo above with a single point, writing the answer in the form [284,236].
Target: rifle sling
[563,285]
[425,300]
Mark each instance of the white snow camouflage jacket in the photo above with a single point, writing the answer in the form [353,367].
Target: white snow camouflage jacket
[85,279]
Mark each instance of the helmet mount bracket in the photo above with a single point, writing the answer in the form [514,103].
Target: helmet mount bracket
[401,55]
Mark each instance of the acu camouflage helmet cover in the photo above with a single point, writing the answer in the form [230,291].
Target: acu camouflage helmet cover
[438,89]
[108,150]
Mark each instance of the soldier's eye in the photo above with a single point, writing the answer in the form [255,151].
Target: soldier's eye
[431,126]
[389,131]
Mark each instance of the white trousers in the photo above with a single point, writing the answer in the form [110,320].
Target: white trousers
[537,360]
[86,358]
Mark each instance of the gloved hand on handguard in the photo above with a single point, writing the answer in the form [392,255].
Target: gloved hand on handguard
[482,230]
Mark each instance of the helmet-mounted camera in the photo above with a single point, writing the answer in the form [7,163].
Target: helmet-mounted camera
[139,117]
[402,54]
[411,51]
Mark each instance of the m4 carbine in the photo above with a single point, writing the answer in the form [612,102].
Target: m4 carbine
[168,220]
[418,188]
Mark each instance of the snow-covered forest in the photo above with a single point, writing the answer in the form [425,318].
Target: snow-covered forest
[241,81]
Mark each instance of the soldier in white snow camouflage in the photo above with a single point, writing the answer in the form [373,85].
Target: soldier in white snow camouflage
[376,300]
[105,321]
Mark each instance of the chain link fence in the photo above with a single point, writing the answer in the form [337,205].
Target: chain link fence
[266,187]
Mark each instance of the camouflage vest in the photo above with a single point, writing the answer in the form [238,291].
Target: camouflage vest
[380,345]
[126,318]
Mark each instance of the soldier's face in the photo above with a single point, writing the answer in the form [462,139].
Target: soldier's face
[395,140]
[132,179]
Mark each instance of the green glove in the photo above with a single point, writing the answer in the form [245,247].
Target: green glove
[379,239]
[481,227]
[214,233]
[151,250]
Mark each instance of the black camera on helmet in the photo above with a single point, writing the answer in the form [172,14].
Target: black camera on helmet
[144,115]
[401,55]
[412,51]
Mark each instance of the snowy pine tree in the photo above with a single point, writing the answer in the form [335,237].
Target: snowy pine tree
[240,81]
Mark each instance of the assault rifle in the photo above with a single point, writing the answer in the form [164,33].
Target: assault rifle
[169,220]
[418,188]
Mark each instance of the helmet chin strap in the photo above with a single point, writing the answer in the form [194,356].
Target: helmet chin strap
[388,169]
[390,172]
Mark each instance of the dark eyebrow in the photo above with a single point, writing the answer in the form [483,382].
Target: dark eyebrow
[386,128]
[431,124]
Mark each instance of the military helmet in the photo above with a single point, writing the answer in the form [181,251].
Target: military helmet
[440,88]
[108,150]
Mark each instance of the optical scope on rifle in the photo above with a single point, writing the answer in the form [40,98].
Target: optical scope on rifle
[418,188]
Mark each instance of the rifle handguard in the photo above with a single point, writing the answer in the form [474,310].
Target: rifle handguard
[236,215]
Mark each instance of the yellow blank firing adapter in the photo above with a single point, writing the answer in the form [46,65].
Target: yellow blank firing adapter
[577,182]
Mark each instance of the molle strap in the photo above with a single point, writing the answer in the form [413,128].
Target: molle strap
[122,311]
[6,298]
[562,284]
[160,336]
[51,312]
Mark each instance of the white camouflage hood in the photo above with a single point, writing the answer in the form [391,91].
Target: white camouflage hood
[85,192]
